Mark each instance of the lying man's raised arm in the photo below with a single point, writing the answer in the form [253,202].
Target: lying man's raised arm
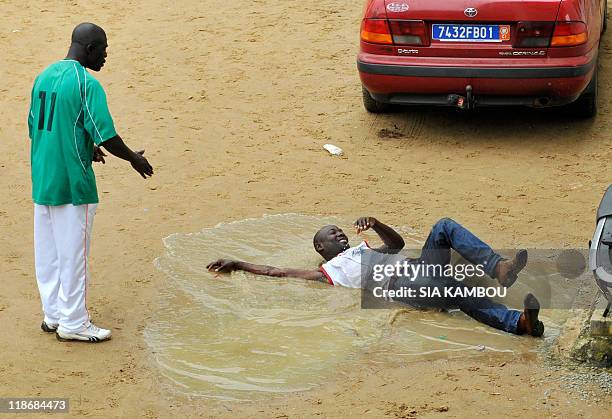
[393,242]
[226,266]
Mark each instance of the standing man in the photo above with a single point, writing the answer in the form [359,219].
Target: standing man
[68,120]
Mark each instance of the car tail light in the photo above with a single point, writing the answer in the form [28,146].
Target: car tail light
[533,34]
[409,32]
[375,31]
[568,34]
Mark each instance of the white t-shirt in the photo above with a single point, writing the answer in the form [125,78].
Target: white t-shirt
[346,269]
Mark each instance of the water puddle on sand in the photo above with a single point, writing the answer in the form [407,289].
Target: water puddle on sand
[240,337]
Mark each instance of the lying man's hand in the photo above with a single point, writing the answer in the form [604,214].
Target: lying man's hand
[364,223]
[222,265]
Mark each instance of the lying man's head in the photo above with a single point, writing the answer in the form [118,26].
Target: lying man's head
[330,241]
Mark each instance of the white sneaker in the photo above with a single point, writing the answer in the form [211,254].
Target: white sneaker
[49,327]
[92,333]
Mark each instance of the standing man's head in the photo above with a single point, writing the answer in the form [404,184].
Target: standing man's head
[330,241]
[88,46]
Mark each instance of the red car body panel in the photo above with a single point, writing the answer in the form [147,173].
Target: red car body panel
[488,10]
[498,73]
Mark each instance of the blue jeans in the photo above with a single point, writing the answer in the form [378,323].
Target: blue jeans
[445,235]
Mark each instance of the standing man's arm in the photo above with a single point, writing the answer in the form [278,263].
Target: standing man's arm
[393,242]
[118,148]
[226,266]
[99,124]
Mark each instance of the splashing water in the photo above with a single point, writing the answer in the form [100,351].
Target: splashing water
[240,336]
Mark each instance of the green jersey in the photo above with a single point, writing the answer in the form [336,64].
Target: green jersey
[68,115]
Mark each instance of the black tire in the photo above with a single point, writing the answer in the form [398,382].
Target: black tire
[604,26]
[373,105]
[586,105]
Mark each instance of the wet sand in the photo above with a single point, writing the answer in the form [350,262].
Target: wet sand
[233,109]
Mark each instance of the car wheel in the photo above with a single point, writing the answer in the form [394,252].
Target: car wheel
[604,26]
[373,105]
[586,105]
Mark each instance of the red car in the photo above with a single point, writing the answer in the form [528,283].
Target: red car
[470,53]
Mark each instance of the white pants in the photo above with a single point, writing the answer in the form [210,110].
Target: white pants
[61,247]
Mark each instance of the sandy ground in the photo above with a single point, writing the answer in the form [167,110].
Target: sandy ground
[232,102]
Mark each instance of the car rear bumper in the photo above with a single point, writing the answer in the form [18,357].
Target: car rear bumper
[478,100]
[475,72]
[531,82]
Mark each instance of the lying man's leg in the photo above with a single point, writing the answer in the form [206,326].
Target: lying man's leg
[447,234]
[482,309]
[499,316]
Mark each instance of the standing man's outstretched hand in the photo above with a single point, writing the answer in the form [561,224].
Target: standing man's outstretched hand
[141,164]
[117,148]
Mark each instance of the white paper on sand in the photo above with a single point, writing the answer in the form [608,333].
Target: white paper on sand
[333,150]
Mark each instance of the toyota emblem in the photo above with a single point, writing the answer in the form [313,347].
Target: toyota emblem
[470,12]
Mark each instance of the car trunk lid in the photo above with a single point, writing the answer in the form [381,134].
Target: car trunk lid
[486,10]
[444,26]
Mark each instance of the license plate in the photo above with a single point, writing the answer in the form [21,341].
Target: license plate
[470,33]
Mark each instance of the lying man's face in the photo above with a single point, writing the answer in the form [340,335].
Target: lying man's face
[330,241]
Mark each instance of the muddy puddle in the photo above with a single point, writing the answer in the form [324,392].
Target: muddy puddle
[241,337]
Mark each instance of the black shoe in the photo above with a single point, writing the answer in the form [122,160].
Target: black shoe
[507,271]
[533,326]
[52,328]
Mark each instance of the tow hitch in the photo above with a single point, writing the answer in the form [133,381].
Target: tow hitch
[463,102]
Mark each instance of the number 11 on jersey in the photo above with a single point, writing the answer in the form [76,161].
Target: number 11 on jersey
[42,95]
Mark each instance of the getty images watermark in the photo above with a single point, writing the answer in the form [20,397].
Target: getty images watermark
[557,277]
[384,274]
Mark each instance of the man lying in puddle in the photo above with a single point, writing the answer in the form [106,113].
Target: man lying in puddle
[425,282]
